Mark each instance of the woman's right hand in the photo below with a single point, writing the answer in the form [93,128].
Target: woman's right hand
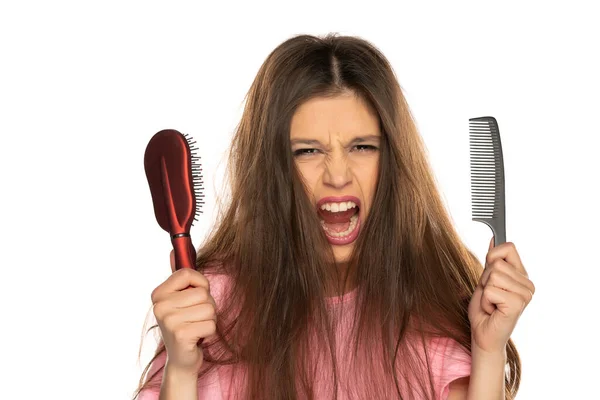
[185,312]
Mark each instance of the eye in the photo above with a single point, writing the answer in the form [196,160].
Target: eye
[305,152]
[365,147]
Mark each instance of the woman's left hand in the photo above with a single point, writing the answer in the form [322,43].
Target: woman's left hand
[503,292]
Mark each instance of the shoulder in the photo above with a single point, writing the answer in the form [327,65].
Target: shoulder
[459,389]
[451,367]
[448,351]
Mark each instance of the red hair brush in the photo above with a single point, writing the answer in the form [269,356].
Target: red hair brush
[175,179]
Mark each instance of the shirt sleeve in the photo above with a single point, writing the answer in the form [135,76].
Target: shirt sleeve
[149,394]
[451,361]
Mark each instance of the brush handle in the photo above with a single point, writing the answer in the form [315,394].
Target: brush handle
[185,254]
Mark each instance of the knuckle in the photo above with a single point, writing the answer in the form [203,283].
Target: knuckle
[487,291]
[180,335]
[154,295]
[529,297]
[169,321]
[523,305]
[211,309]
[202,294]
[185,273]
[212,326]
[204,280]
[501,267]
[158,310]
[494,274]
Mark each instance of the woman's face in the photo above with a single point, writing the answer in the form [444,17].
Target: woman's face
[336,142]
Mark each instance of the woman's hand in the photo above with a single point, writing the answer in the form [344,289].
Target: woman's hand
[185,312]
[503,292]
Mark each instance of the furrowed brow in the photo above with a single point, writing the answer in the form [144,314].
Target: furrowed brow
[356,140]
[368,138]
[310,142]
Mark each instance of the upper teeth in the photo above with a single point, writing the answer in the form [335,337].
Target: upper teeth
[338,207]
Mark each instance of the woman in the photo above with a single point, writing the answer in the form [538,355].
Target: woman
[335,272]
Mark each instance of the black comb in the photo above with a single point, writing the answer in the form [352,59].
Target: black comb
[487,176]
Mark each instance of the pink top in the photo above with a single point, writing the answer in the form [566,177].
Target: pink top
[448,362]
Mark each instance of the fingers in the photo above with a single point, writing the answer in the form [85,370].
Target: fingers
[504,287]
[197,313]
[179,280]
[508,252]
[507,303]
[194,331]
[172,260]
[188,298]
[187,325]
[487,303]
[505,282]
[505,276]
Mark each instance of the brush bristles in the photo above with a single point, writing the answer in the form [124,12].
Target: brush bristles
[487,174]
[197,178]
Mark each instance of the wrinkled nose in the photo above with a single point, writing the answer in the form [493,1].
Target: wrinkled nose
[337,172]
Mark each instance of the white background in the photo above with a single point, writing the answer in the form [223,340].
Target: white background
[84,85]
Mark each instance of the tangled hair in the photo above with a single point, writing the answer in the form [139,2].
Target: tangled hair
[415,276]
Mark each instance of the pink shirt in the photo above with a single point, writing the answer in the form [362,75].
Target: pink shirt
[448,362]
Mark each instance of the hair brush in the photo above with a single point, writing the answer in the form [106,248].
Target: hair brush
[175,180]
[487,176]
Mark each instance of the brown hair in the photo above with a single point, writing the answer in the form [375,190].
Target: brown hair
[415,276]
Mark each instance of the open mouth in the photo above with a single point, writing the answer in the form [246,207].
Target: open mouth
[340,220]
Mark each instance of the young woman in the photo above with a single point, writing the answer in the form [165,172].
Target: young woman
[335,271]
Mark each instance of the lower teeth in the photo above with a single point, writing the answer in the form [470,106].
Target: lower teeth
[353,221]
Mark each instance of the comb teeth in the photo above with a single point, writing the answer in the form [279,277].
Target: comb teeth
[487,169]
[197,177]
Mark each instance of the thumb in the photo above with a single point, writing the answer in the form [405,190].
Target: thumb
[172,260]
[491,244]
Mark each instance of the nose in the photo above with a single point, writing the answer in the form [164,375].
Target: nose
[337,172]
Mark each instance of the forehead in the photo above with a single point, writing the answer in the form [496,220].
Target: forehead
[343,116]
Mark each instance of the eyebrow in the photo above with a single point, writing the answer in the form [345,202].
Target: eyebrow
[358,139]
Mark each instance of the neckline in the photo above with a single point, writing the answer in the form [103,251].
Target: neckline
[346,297]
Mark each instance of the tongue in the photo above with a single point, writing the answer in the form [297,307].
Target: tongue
[337,217]
[338,221]
[337,227]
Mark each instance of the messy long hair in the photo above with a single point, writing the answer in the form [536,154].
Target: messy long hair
[414,275]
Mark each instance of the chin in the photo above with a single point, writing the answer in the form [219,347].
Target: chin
[342,254]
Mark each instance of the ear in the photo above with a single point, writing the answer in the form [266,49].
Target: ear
[172,260]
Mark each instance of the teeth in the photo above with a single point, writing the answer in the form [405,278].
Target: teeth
[353,221]
[338,207]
